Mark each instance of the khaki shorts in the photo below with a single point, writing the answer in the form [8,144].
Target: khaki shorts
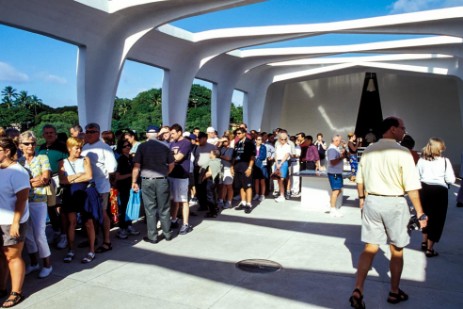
[7,240]
[384,220]
[179,189]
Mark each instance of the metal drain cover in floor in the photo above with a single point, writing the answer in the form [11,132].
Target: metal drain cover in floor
[258,266]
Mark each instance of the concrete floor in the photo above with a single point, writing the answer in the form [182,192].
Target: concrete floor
[318,255]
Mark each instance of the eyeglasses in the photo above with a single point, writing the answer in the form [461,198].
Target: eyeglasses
[91,132]
[29,144]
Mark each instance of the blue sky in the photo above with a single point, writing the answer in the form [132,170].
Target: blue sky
[46,67]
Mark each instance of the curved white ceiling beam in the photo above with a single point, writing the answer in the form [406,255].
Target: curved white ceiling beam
[352,48]
[111,6]
[366,25]
[325,61]
[441,68]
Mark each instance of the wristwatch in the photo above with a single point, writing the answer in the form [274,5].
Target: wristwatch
[422,217]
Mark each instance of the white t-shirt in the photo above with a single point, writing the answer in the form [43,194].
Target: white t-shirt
[14,179]
[281,150]
[103,163]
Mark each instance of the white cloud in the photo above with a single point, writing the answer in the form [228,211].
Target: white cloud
[50,78]
[9,73]
[404,6]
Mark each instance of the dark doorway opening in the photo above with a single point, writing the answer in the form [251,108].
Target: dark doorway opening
[370,114]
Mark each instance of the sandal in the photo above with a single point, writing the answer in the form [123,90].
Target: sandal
[357,302]
[431,253]
[88,258]
[69,257]
[395,298]
[424,246]
[11,302]
[106,246]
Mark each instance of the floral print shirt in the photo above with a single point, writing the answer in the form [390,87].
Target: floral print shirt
[36,167]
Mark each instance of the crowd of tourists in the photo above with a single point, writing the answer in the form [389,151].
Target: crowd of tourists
[87,179]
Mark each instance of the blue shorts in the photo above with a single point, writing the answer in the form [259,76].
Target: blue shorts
[283,169]
[336,181]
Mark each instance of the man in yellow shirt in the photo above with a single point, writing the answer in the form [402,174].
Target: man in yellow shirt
[386,172]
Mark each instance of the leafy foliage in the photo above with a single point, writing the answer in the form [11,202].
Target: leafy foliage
[28,112]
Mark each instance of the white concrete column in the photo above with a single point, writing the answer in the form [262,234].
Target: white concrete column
[214,108]
[98,75]
[175,93]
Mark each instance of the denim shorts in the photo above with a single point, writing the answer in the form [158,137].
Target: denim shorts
[336,181]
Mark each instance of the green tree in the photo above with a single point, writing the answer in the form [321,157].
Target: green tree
[236,114]
[22,99]
[9,95]
[35,104]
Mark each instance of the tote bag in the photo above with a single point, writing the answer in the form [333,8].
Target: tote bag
[133,206]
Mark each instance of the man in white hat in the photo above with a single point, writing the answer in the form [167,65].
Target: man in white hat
[212,136]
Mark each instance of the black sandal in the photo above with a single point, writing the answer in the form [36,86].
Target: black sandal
[18,297]
[395,298]
[357,302]
[431,253]
[106,246]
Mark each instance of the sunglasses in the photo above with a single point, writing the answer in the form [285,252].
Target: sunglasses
[91,132]
[127,146]
[29,144]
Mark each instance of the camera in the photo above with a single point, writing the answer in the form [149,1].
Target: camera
[414,224]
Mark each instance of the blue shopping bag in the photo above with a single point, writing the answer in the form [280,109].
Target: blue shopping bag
[133,206]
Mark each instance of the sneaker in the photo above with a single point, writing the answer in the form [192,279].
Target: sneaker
[335,213]
[248,209]
[122,234]
[256,197]
[240,206]
[32,268]
[63,242]
[132,231]
[193,201]
[220,204]
[261,198]
[280,199]
[276,194]
[296,194]
[174,225]
[288,196]
[45,272]
[186,228]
